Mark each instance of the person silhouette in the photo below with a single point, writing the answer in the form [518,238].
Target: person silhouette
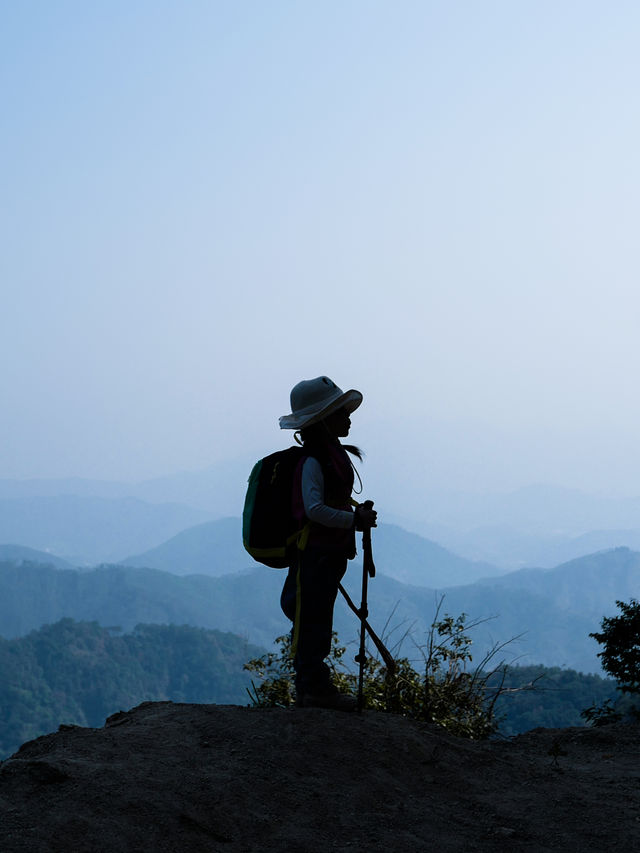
[322,504]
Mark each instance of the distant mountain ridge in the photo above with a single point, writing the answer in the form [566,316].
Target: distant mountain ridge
[582,585]
[535,604]
[513,549]
[538,525]
[91,530]
[215,548]
[20,554]
[217,490]
[33,595]
[413,559]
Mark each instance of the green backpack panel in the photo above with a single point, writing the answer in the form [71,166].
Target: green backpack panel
[269,529]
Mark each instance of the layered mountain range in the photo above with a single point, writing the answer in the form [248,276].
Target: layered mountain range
[550,612]
[92,521]
[163,559]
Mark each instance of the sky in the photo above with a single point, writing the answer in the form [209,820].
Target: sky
[433,202]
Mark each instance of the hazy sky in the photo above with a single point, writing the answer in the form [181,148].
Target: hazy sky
[434,202]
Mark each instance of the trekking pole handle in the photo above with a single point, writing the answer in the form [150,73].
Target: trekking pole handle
[366,544]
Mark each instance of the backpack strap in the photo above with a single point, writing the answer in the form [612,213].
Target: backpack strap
[301,537]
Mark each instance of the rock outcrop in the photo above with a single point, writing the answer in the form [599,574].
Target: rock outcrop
[187,778]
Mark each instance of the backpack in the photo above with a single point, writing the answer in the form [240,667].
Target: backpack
[269,529]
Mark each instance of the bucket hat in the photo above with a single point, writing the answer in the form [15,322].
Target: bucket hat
[312,400]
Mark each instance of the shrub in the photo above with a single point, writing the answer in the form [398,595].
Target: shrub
[443,690]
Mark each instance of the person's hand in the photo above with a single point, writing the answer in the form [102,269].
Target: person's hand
[366,516]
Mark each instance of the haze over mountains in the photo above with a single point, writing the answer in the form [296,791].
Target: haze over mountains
[179,565]
[18,554]
[217,490]
[539,526]
[87,530]
[212,548]
[215,548]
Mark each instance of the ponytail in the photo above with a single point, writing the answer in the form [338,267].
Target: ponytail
[354,451]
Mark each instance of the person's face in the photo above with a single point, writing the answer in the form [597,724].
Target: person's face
[338,423]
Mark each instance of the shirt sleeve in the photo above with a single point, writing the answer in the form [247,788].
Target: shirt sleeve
[313,498]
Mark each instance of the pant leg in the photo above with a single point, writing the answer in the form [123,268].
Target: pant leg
[308,599]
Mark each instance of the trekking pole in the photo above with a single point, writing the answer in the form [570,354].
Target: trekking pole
[385,654]
[368,570]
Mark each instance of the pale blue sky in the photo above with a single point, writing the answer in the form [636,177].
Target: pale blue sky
[435,202]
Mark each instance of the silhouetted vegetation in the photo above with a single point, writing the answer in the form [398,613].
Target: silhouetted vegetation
[439,688]
[620,638]
[620,656]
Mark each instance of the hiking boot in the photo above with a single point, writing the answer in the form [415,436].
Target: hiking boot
[332,699]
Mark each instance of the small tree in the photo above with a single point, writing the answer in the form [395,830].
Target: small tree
[620,638]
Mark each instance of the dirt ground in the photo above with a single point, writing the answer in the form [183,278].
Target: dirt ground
[169,777]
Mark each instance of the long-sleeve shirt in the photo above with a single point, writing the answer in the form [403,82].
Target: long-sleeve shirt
[313,498]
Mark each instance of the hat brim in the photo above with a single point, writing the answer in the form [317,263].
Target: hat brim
[350,401]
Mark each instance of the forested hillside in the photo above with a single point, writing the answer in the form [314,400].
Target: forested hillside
[80,673]
[245,604]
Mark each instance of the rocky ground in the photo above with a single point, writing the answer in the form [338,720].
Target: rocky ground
[168,777]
